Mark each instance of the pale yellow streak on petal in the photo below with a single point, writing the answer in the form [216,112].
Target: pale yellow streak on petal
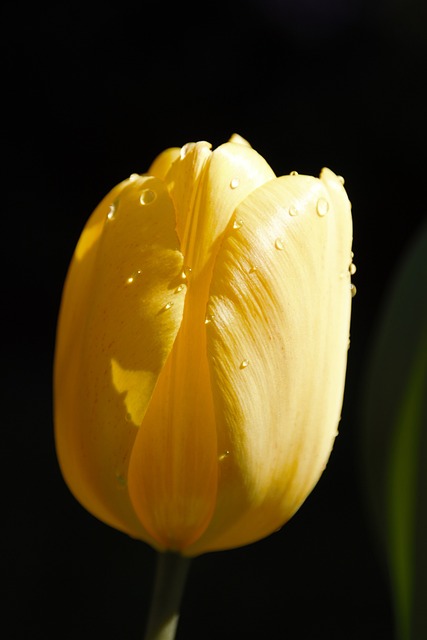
[278,347]
[183,182]
[112,311]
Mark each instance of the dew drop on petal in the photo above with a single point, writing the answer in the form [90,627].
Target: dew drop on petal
[111,212]
[185,273]
[244,364]
[352,268]
[234,183]
[133,177]
[293,173]
[341,179]
[168,305]
[293,211]
[279,244]
[237,224]
[209,318]
[353,290]
[252,269]
[223,456]
[179,288]
[147,196]
[322,207]
[133,277]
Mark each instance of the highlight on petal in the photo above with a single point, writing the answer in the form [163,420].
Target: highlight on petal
[279,302]
[115,332]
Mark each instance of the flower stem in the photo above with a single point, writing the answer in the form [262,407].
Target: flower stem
[171,574]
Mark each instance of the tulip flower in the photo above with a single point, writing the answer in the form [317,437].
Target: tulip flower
[202,346]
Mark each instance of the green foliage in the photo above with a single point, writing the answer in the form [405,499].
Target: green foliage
[395,438]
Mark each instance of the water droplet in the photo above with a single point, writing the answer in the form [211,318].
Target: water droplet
[322,207]
[341,179]
[185,272]
[252,269]
[293,173]
[111,212]
[168,305]
[133,177]
[128,417]
[223,456]
[237,224]
[353,290]
[279,244]
[147,196]
[179,288]
[209,318]
[244,364]
[234,183]
[133,277]
[293,211]
[352,268]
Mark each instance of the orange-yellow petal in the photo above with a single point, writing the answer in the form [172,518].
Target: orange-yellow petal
[277,344]
[114,336]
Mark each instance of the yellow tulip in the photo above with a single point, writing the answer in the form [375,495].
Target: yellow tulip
[202,347]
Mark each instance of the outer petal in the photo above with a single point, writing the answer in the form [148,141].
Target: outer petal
[113,340]
[163,162]
[277,343]
[173,469]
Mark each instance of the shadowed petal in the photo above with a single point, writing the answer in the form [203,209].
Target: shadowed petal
[113,340]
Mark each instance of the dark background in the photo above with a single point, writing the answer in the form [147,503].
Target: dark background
[91,93]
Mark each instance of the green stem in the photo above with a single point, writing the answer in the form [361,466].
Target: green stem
[171,574]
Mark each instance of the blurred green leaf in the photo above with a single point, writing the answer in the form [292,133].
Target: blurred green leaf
[395,438]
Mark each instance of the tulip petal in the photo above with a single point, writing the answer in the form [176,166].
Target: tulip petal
[206,187]
[237,139]
[277,344]
[114,337]
[173,468]
[161,165]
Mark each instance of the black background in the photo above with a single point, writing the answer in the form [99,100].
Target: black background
[91,93]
